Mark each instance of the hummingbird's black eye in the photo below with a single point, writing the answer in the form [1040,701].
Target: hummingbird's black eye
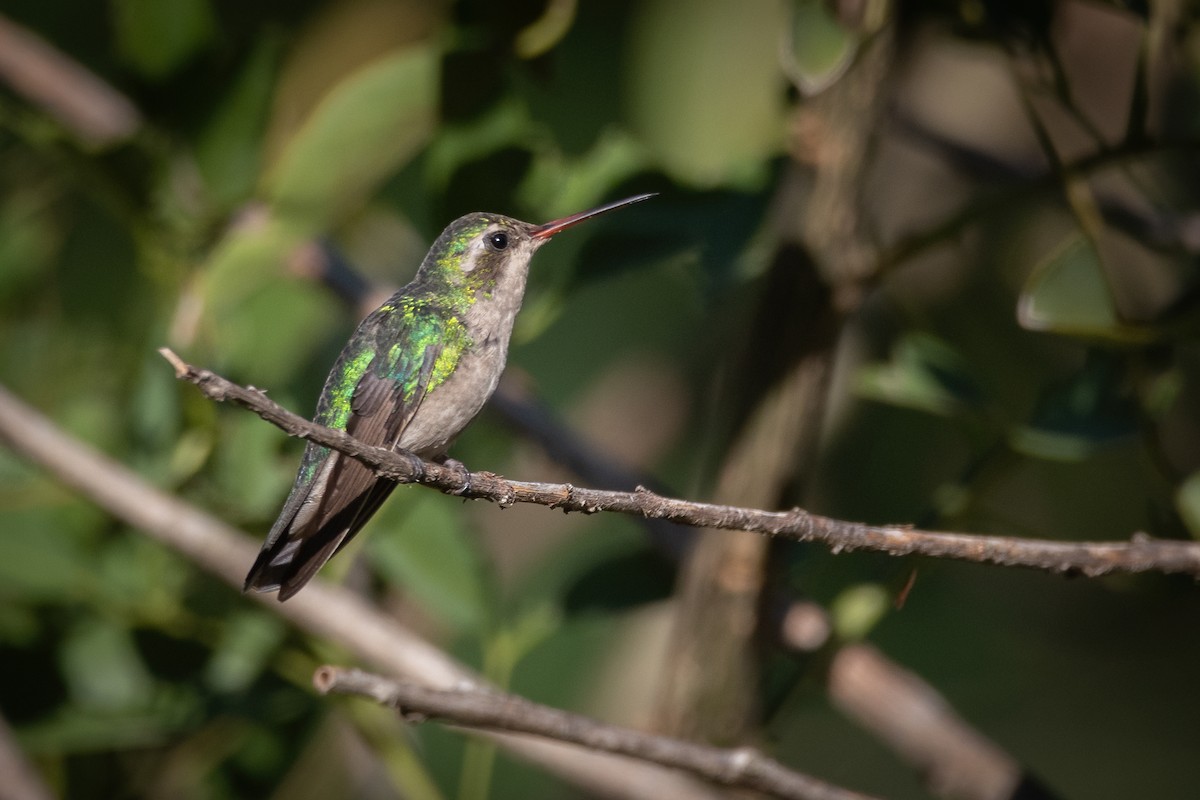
[498,240]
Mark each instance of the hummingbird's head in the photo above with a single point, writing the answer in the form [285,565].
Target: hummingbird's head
[478,251]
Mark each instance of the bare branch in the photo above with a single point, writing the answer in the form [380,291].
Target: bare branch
[64,88]
[333,613]
[1093,559]
[21,780]
[907,714]
[487,710]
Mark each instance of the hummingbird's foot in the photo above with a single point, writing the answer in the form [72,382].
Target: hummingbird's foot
[460,472]
[415,463]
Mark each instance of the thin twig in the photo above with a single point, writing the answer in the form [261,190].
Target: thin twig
[1093,559]
[474,708]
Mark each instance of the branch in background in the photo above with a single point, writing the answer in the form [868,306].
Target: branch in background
[21,780]
[94,111]
[1141,554]
[330,612]
[744,768]
[1164,231]
[916,722]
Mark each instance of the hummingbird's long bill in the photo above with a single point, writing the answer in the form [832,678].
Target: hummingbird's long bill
[559,225]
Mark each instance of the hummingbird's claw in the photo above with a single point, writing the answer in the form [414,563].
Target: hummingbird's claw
[417,465]
[461,472]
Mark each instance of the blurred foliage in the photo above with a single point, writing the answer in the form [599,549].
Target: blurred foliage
[1026,363]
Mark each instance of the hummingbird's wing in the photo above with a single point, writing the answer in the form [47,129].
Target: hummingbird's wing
[334,495]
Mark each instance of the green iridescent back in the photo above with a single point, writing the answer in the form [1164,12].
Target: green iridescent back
[426,317]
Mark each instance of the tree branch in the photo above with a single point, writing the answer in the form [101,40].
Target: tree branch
[21,780]
[64,88]
[333,613]
[1093,559]
[487,710]
[917,723]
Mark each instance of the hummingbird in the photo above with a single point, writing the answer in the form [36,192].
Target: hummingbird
[414,374]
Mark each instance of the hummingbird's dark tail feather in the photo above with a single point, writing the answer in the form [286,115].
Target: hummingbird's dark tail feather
[307,539]
[331,538]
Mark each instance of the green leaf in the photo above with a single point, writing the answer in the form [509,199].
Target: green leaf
[1085,412]
[155,419]
[37,562]
[252,256]
[562,186]
[506,124]
[73,730]
[924,373]
[101,664]
[705,89]
[361,133]
[262,323]
[364,130]
[132,571]
[28,239]
[546,31]
[158,36]
[421,545]
[229,150]
[858,609]
[247,641]
[248,472]
[821,48]
[1187,500]
[1069,294]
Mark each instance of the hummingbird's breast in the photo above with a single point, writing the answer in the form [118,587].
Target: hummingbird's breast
[449,408]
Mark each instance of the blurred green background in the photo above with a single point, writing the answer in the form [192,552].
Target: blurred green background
[1019,355]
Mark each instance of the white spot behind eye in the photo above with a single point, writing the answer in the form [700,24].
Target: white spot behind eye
[488,241]
[474,254]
